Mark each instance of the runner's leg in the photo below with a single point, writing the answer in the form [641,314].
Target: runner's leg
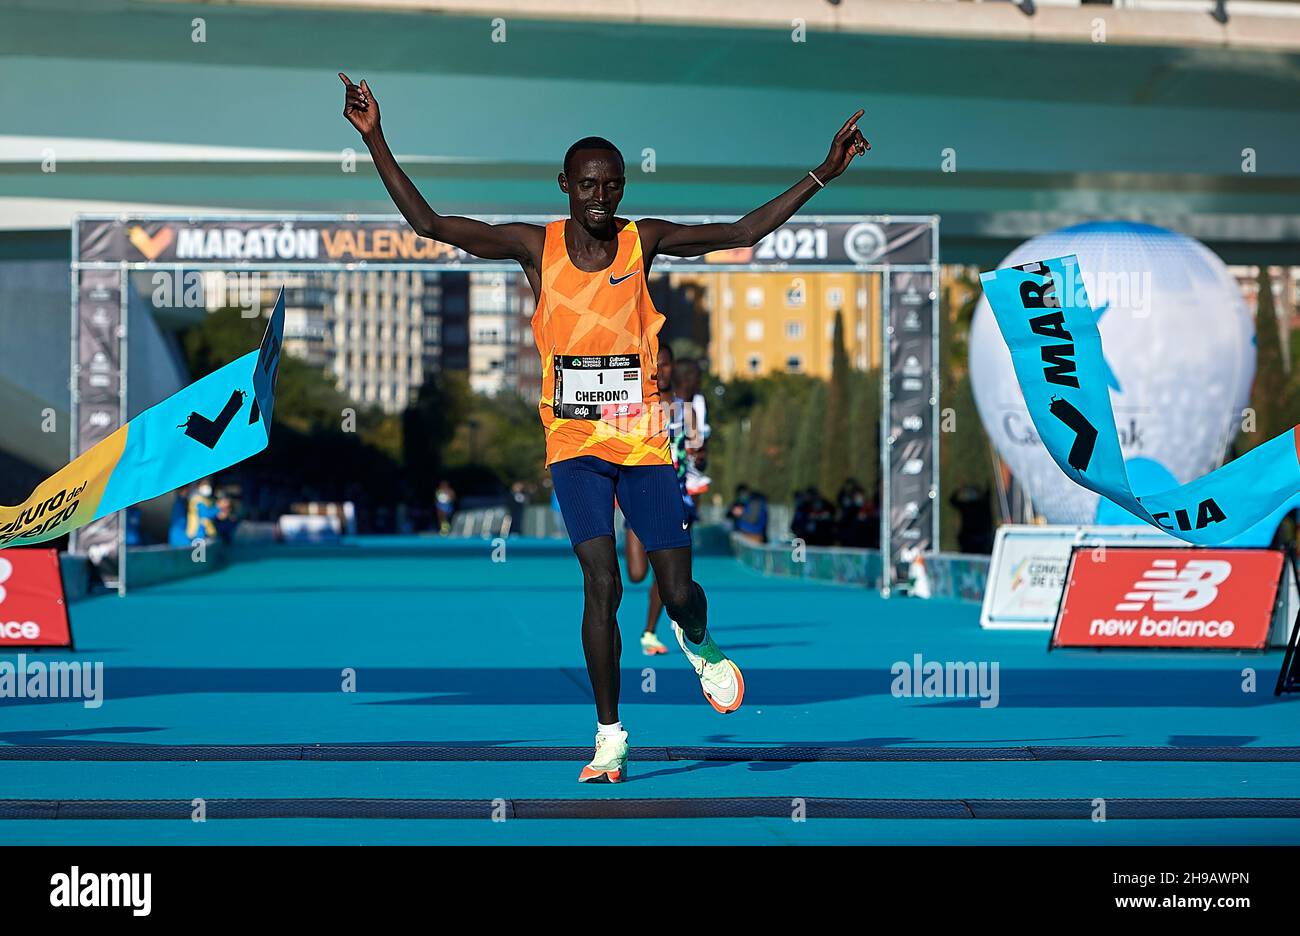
[584,487]
[638,566]
[656,605]
[634,553]
[682,596]
[653,506]
[601,643]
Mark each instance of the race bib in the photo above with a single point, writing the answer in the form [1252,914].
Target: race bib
[597,386]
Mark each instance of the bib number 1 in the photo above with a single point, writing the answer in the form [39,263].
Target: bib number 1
[597,386]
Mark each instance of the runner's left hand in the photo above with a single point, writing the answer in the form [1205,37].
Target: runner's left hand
[359,106]
[848,142]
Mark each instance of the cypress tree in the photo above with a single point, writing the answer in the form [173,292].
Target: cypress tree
[864,429]
[964,450]
[835,454]
[805,468]
[1268,396]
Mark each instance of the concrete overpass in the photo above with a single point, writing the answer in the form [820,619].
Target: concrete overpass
[1039,130]
[1004,124]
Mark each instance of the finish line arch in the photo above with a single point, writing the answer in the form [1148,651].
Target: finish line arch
[902,249]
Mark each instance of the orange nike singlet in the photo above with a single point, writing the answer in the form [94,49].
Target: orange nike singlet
[598,337]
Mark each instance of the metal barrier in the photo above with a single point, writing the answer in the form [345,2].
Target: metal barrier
[150,565]
[484,523]
[957,576]
[826,563]
[962,576]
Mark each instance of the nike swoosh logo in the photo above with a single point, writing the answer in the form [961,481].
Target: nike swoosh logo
[615,282]
[686,526]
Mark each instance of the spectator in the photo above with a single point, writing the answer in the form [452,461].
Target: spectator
[445,505]
[132,530]
[975,534]
[686,380]
[227,518]
[754,522]
[518,501]
[799,518]
[749,514]
[738,503]
[855,516]
[176,528]
[193,516]
[814,519]
[871,524]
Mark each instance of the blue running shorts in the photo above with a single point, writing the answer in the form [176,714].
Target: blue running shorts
[647,494]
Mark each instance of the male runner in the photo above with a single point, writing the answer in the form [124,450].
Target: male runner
[638,564]
[597,332]
[687,380]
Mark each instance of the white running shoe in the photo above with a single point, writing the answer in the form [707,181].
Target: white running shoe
[610,763]
[721,680]
[652,645]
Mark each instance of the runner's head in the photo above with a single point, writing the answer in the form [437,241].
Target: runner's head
[593,179]
[686,378]
[664,375]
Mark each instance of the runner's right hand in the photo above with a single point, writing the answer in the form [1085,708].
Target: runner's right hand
[359,106]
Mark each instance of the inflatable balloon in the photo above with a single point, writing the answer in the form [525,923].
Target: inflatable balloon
[1179,344]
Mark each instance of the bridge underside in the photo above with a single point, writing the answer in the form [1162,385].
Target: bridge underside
[1002,139]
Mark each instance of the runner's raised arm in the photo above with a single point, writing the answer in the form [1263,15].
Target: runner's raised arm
[516,241]
[690,240]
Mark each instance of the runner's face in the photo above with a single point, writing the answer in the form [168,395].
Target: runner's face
[595,187]
[665,375]
[690,384]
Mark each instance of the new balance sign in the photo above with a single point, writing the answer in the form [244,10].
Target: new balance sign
[1204,598]
[33,612]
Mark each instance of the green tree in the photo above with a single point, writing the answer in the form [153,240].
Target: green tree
[1293,381]
[322,442]
[498,441]
[1268,396]
[427,427]
[306,399]
[806,459]
[864,429]
[773,429]
[757,427]
[963,446]
[835,454]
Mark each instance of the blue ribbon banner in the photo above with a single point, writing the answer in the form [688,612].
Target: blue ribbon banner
[1043,312]
[215,422]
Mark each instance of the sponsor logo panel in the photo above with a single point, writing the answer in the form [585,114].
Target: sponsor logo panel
[1207,598]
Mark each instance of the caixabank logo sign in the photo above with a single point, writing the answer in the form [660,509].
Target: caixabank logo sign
[1202,598]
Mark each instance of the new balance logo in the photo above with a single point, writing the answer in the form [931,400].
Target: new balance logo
[1169,589]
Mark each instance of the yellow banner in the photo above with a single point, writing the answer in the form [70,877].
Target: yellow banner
[67,499]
